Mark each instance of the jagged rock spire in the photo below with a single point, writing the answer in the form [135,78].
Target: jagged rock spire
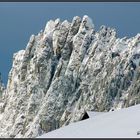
[66,69]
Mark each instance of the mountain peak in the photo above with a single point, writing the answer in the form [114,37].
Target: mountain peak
[65,70]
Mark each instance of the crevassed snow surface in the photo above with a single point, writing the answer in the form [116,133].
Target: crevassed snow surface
[124,123]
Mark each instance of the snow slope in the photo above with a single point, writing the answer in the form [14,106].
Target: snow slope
[92,114]
[122,123]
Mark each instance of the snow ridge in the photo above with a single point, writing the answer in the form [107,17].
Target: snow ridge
[116,124]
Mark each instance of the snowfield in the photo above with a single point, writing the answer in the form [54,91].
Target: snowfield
[124,123]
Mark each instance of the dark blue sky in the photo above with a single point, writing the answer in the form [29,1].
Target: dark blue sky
[19,20]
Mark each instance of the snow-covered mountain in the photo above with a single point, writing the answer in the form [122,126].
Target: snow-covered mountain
[122,123]
[65,70]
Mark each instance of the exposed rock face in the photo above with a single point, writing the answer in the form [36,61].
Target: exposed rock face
[2,101]
[1,86]
[66,69]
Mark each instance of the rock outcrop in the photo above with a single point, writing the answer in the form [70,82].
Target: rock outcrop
[65,70]
[2,101]
[1,86]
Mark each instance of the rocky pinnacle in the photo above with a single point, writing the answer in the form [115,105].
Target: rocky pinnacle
[65,70]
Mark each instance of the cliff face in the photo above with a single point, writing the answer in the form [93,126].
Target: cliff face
[65,70]
[1,86]
[2,101]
